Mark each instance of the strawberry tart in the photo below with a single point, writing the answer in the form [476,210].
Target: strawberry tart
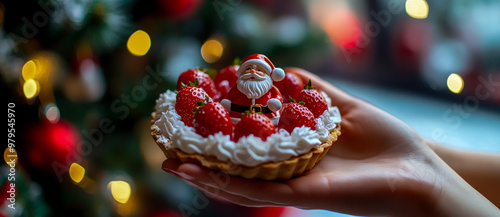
[241,124]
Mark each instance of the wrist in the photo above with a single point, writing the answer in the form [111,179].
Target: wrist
[455,197]
[421,189]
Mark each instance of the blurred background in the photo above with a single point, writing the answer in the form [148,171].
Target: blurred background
[82,77]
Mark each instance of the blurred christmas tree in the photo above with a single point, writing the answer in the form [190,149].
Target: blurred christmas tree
[84,76]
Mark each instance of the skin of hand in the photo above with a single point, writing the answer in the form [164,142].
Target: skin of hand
[480,169]
[379,166]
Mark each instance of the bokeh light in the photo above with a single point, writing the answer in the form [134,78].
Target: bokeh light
[339,22]
[139,43]
[418,9]
[343,29]
[52,113]
[120,190]
[455,83]
[10,156]
[211,50]
[38,76]
[30,88]
[29,70]
[76,172]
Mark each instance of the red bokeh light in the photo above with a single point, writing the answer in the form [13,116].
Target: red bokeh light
[342,27]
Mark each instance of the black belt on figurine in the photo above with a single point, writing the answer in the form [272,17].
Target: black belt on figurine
[255,108]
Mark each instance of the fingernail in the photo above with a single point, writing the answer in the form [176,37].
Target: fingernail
[167,170]
[183,175]
[178,174]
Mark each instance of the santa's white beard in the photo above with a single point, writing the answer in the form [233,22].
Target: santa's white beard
[254,88]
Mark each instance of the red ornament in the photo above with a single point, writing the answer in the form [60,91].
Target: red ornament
[4,195]
[51,142]
[180,9]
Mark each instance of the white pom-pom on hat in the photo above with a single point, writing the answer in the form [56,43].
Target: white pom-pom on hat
[278,74]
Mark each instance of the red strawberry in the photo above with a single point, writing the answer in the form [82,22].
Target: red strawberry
[211,118]
[204,81]
[296,115]
[291,86]
[313,100]
[226,79]
[256,124]
[186,100]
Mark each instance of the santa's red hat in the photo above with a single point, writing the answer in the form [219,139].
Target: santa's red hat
[277,74]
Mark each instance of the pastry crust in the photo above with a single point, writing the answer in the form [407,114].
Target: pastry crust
[281,170]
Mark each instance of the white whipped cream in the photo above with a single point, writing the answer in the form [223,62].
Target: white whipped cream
[248,151]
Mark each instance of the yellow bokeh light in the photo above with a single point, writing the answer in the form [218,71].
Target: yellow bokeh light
[76,172]
[120,190]
[418,9]
[139,43]
[10,156]
[29,70]
[30,88]
[455,83]
[211,51]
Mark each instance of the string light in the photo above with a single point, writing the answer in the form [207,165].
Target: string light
[29,70]
[455,83]
[120,190]
[211,51]
[76,172]
[52,113]
[139,43]
[37,73]
[418,9]
[30,88]
[10,156]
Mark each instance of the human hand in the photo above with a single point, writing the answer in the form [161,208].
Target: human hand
[379,166]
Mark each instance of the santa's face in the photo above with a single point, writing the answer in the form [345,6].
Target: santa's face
[254,82]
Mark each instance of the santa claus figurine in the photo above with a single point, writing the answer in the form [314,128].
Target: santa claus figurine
[254,89]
